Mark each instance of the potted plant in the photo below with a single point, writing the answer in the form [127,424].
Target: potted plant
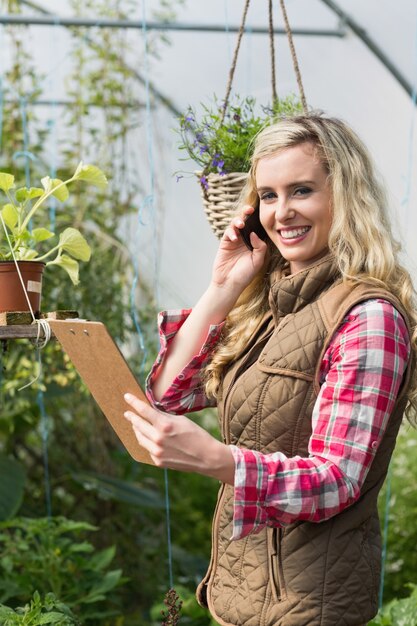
[24,241]
[219,141]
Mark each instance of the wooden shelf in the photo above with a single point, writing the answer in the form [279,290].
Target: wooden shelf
[26,331]
[19,325]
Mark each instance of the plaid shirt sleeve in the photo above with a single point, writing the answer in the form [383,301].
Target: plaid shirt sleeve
[361,375]
[186,392]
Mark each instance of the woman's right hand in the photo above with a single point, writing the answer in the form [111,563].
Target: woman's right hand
[235,265]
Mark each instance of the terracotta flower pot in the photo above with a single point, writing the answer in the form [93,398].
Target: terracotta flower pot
[12,296]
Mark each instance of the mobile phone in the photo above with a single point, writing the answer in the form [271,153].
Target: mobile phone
[253,224]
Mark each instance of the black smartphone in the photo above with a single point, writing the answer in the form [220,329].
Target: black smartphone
[253,224]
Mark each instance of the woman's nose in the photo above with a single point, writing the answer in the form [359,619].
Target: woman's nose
[283,211]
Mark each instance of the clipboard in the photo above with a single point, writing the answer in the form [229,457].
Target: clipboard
[105,372]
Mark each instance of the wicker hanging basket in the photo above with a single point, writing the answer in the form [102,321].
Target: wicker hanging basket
[220,196]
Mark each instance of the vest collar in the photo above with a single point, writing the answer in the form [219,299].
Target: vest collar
[289,294]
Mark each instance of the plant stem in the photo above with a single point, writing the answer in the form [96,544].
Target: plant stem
[42,199]
[44,256]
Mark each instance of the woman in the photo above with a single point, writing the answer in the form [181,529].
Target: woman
[311,373]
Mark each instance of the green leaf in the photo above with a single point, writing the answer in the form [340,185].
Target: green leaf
[106,584]
[22,194]
[41,234]
[10,215]
[11,486]
[91,174]
[62,193]
[69,265]
[51,618]
[35,192]
[72,241]
[109,487]
[6,181]
[102,559]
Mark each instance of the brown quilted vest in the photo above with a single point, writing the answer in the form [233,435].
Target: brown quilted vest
[305,574]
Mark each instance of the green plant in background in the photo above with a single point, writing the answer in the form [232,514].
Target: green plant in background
[398,612]
[19,213]
[401,560]
[221,143]
[11,487]
[53,556]
[39,611]
[180,602]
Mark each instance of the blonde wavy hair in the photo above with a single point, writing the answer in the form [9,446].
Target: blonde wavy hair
[360,236]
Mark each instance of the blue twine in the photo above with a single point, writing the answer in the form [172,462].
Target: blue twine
[52,172]
[23,104]
[24,153]
[385,535]
[45,436]
[135,261]
[168,521]
[53,127]
[151,205]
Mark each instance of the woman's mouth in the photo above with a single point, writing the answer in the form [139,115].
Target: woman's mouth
[294,233]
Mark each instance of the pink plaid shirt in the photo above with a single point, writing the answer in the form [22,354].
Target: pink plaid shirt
[360,376]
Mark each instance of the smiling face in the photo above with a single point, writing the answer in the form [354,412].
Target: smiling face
[295,203]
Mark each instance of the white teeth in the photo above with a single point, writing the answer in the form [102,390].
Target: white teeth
[297,232]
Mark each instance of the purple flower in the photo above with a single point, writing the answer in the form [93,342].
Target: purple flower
[204,182]
[203,149]
[216,160]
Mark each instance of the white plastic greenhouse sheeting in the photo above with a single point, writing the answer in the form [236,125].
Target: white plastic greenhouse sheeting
[341,76]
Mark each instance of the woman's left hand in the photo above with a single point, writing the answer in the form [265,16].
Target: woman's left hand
[176,442]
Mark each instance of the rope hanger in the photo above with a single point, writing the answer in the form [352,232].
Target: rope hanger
[272,54]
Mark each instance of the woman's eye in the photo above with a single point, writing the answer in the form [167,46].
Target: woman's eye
[269,195]
[302,191]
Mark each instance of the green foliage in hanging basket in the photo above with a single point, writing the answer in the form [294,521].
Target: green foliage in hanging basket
[22,209]
[221,144]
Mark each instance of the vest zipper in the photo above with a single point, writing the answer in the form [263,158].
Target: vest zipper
[275,564]
[208,580]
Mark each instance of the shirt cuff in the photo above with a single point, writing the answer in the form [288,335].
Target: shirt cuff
[250,492]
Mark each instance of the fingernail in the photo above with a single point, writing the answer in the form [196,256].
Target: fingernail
[127,416]
[128,397]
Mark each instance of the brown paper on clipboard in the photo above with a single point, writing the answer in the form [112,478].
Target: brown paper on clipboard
[104,370]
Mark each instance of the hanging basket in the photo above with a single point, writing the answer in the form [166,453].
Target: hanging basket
[220,198]
[12,296]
